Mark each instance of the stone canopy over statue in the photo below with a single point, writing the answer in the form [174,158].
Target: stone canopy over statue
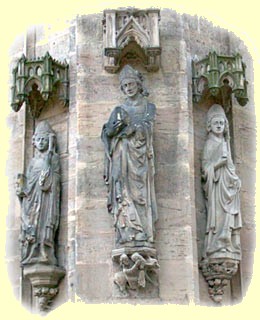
[129,172]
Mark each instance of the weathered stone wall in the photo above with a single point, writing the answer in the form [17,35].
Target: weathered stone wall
[14,166]
[86,236]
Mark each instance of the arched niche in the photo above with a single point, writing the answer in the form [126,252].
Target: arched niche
[36,81]
[125,32]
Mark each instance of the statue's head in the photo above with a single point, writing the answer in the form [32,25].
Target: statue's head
[131,82]
[216,120]
[124,260]
[42,136]
[136,256]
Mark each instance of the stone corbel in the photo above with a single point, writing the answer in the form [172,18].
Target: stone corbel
[131,36]
[218,77]
[45,283]
[138,266]
[34,81]
[218,273]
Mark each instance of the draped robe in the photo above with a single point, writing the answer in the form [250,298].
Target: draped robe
[129,172]
[221,186]
[40,210]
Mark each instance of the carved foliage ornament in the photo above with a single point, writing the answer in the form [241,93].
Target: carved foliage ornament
[45,296]
[34,81]
[45,281]
[218,273]
[220,76]
[131,36]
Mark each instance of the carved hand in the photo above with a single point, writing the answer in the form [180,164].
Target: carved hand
[222,162]
[19,186]
[118,124]
[44,174]
[237,184]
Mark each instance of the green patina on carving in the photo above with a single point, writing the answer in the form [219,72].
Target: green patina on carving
[34,81]
[220,76]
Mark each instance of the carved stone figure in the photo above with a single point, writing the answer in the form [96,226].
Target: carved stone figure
[135,272]
[39,192]
[129,175]
[221,186]
[129,164]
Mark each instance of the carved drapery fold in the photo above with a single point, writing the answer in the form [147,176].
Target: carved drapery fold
[220,76]
[34,81]
[131,35]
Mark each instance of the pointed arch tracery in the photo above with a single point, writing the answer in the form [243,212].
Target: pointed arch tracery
[123,29]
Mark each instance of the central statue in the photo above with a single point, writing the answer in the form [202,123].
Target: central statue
[129,164]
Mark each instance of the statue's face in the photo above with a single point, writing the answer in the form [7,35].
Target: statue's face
[217,125]
[124,260]
[130,87]
[41,142]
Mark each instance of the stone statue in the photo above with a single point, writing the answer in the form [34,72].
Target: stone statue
[129,163]
[39,192]
[222,251]
[135,272]
[221,186]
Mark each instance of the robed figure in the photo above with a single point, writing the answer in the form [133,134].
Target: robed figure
[40,197]
[221,185]
[129,164]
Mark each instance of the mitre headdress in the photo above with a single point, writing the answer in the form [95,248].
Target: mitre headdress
[43,127]
[215,110]
[130,73]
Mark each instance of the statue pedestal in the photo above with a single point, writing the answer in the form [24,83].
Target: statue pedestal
[138,266]
[218,272]
[45,282]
